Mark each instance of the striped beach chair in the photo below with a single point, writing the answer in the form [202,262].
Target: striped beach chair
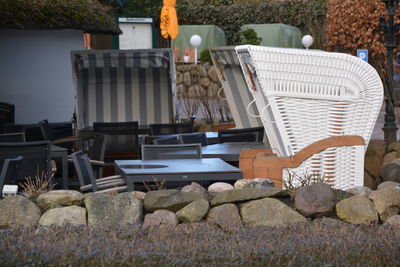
[313,99]
[124,85]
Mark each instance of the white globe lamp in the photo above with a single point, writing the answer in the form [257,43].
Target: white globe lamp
[307,41]
[195,41]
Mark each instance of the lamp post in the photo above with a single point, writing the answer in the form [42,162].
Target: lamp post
[195,41]
[390,28]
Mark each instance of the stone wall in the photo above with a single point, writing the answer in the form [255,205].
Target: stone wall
[197,90]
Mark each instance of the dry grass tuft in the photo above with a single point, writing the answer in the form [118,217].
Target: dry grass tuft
[38,185]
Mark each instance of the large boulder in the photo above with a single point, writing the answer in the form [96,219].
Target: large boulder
[66,215]
[357,210]
[212,74]
[219,187]
[370,181]
[18,211]
[394,220]
[59,198]
[160,219]
[269,212]
[389,157]
[315,200]
[374,156]
[245,194]
[225,216]
[388,184]
[386,201]
[194,211]
[390,172]
[359,191]
[120,209]
[194,187]
[172,200]
[254,183]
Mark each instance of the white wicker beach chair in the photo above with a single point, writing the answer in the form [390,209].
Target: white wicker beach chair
[305,96]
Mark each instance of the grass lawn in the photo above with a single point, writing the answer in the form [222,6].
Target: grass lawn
[324,242]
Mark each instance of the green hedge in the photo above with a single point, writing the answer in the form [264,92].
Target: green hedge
[309,16]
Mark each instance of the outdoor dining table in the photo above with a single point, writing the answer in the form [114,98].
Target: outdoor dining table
[229,151]
[212,137]
[176,170]
[57,152]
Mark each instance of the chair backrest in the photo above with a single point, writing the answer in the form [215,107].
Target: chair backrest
[254,134]
[180,151]
[186,127]
[122,136]
[84,169]
[98,146]
[36,157]
[7,114]
[304,96]
[166,141]
[193,138]
[163,128]
[8,172]
[12,138]
[14,128]
[46,130]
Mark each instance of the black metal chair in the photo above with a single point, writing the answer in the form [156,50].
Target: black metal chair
[12,138]
[36,158]
[7,114]
[32,131]
[8,173]
[166,141]
[171,128]
[186,127]
[179,151]
[193,138]
[255,134]
[87,180]
[123,140]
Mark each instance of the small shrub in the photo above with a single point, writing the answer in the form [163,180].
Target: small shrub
[156,185]
[38,185]
[205,56]
[295,181]
[249,36]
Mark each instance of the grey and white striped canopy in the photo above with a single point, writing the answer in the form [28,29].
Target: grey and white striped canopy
[124,85]
[235,87]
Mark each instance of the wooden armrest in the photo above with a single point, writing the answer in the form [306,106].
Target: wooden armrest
[271,167]
[97,162]
[65,140]
[247,157]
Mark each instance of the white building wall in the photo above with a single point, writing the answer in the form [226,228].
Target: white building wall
[36,74]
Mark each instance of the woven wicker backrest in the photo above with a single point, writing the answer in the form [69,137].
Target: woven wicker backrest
[304,96]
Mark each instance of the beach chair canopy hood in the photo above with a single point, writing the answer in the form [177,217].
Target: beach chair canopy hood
[245,113]
[124,85]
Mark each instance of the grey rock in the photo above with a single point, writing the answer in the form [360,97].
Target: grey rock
[212,74]
[66,215]
[179,77]
[59,198]
[370,181]
[269,212]
[187,79]
[172,200]
[18,211]
[359,191]
[386,201]
[357,210]
[389,157]
[388,184]
[194,187]
[374,156]
[219,187]
[206,65]
[254,183]
[120,209]
[394,220]
[160,219]
[225,216]
[194,211]
[315,200]
[245,194]
[390,172]
[205,82]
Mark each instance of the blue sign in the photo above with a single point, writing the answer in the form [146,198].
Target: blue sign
[363,54]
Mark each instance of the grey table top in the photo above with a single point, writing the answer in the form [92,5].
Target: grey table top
[174,166]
